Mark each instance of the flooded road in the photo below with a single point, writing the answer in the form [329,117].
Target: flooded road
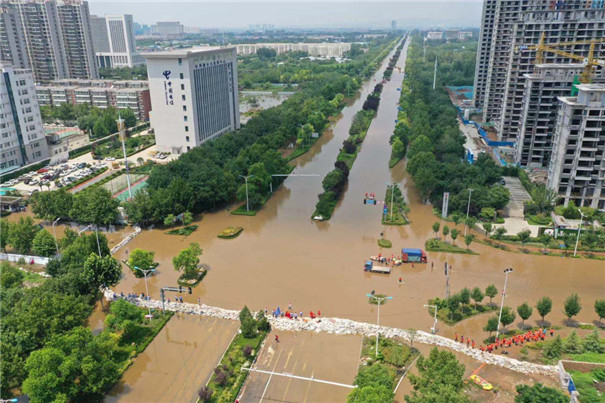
[177,363]
[282,256]
[321,356]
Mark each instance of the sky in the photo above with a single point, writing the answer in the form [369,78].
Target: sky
[299,14]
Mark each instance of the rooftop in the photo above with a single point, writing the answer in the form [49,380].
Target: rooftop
[188,52]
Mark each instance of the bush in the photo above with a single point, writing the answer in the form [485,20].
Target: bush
[205,394]
[247,350]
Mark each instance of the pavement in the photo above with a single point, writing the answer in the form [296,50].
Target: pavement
[514,220]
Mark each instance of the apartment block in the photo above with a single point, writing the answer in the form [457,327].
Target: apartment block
[539,111]
[484,51]
[114,41]
[194,96]
[100,93]
[51,37]
[336,49]
[577,167]
[434,35]
[167,29]
[22,139]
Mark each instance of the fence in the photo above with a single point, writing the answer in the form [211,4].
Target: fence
[13,257]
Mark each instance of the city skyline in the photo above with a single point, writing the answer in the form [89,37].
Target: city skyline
[311,15]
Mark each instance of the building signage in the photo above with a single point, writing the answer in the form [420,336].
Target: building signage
[168,88]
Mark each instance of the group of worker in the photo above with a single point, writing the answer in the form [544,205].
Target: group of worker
[291,314]
[529,336]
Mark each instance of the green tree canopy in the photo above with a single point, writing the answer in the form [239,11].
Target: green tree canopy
[188,260]
[21,234]
[44,244]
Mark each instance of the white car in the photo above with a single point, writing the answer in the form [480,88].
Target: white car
[110,159]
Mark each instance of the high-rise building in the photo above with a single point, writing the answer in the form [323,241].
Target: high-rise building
[509,25]
[167,29]
[22,138]
[332,49]
[577,167]
[394,25]
[51,37]
[114,42]
[194,96]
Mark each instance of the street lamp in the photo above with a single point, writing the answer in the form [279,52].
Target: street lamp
[145,273]
[392,185]
[55,234]
[96,232]
[379,300]
[468,208]
[434,328]
[579,230]
[506,271]
[246,179]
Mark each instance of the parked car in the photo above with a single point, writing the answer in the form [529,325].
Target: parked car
[110,159]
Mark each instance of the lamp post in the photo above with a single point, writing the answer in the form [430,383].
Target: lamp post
[506,271]
[246,179]
[55,234]
[379,300]
[392,185]
[145,273]
[434,328]
[579,230]
[468,209]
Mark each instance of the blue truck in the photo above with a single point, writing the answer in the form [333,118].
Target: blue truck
[412,255]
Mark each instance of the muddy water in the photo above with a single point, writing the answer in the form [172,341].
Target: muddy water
[282,256]
[177,363]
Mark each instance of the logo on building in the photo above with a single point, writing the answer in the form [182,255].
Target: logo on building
[168,88]
[166,74]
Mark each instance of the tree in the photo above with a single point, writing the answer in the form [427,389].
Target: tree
[470,222]
[398,149]
[44,244]
[188,261]
[454,234]
[205,394]
[499,233]
[101,271]
[456,218]
[440,378]
[4,233]
[599,307]
[491,291]
[477,296]
[539,393]
[573,344]
[247,323]
[468,240]
[524,311]
[553,349]
[436,227]
[187,218]
[465,296]
[169,220]
[492,325]
[524,236]
[446,231]
[143,259]
[419,145]
[592,343]
[572,306]
[375,375]
[10,276]
[371,394]
[412,336]
[507,317]
[130,119]
[121,312]
[96,206]
[453,302]
[22,234]
[544,306]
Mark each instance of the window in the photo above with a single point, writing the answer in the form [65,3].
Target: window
[183,86]
[187,139]
[180,61]
[187,129]
[184,98]
[188,148]
[185,118]
[181,76]
[184,108]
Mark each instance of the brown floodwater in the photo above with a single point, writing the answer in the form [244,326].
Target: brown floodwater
[284,257]
[326,357]
[177,363]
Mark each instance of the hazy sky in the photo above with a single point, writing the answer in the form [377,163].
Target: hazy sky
[302,14]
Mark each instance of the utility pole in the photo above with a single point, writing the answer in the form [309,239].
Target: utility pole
[246,179]
[579,230]
[434,328]
[55,234]
[506,271]
[468,208]
[122,135]
[447,281]
[435,73]
[145,273]
[379,300]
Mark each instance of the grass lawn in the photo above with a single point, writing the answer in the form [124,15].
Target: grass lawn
[590,385]
[384,243]
[437,245]
[230,232]
[464,312]
[241,210]
[182,281]
[185,231]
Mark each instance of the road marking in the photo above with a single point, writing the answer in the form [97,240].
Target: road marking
[304,378]
[269,381]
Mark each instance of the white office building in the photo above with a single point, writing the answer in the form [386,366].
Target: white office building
[577,166]
[22,139]
[114,41]
[194,96]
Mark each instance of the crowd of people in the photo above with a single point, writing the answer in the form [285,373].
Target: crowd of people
[291,313]
[517,340]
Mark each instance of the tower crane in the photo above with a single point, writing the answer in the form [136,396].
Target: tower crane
[589,62]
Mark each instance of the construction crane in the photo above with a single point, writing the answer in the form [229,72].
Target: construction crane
[589,62]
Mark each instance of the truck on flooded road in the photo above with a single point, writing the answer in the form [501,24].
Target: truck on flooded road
[369,266]
[412,255]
